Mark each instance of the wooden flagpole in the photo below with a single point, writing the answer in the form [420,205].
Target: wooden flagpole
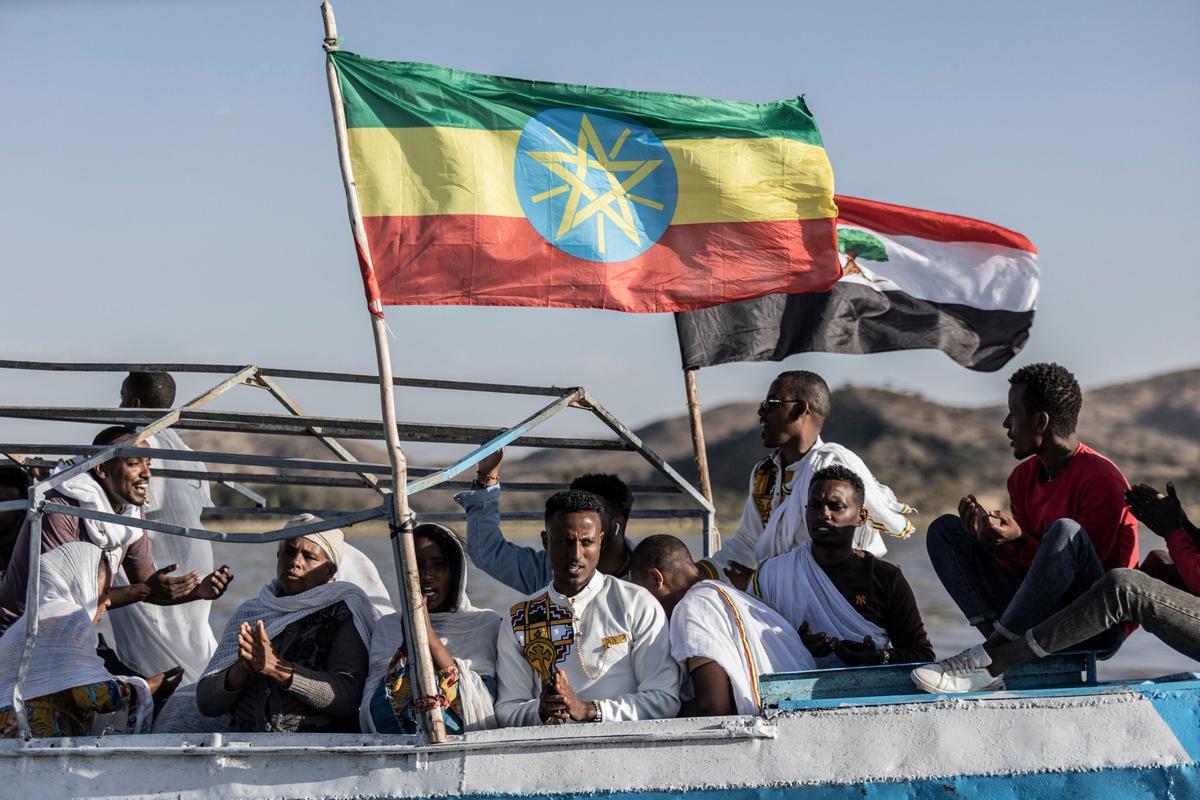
[697,422]
[699,450]
[415,614]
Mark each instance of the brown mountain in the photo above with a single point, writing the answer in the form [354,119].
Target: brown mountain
[928,452]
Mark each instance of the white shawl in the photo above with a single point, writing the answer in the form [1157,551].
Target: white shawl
[64,653]
[111,537]
[151,638]
[787,527]
[739,632]
[180,714]
[278,611]
[795,585]
[469,633]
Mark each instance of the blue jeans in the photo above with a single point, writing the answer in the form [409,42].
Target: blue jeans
[1064,567]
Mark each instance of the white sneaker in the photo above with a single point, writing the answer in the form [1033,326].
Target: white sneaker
[965,672]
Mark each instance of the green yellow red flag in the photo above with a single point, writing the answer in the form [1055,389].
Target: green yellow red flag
[482,190]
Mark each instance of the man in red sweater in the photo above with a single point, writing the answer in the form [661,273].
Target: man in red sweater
[1069,526]
[1124,595]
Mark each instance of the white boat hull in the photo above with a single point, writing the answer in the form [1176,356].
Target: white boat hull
[1097,742]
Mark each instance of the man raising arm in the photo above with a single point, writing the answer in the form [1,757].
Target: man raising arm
[527,569]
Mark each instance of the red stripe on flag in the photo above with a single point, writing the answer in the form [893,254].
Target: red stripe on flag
[904,221]
[503,261]
[370,285]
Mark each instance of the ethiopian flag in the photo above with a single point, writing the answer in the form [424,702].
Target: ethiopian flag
[481,190]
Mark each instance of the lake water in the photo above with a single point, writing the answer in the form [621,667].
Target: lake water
[1142,656]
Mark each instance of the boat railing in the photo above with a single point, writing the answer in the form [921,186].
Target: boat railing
[343,471]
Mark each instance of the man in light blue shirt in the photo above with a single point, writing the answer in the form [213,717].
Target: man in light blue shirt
[527,569]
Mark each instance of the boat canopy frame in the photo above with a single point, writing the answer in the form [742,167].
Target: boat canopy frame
[300,471]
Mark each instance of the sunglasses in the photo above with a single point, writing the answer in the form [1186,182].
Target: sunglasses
[771,402]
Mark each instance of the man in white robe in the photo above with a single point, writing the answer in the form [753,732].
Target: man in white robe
[588,647]
[154,638]
[724,639]
[851,608]
[772,522]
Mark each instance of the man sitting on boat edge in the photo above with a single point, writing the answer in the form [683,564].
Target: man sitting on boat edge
[1069,526]
[723,638]
[527,569]
[1121,596]
[118,486]
[791,418]
[588,647]
[851,608]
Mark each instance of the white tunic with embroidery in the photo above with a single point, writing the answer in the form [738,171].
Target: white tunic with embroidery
[612,642]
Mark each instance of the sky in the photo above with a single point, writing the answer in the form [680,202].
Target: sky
[171,189]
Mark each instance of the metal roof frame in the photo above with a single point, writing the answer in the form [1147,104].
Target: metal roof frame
[327,430]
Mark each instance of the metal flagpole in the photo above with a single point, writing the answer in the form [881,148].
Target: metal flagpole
[415,615]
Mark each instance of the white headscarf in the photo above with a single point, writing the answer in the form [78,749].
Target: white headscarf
[469,633]
[787,526]
[353,566]
[111,537]
[357,583]
[277,611]
[795,585]
[64,653]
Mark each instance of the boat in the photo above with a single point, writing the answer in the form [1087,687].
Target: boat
[1057,731]
[856,732]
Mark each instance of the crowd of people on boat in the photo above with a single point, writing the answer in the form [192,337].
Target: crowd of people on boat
[608,629]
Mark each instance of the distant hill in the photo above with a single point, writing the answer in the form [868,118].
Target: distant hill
[928,452]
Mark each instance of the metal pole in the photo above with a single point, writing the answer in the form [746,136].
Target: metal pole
[32,594]
[401,525]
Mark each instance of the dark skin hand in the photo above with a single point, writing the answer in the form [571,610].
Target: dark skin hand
[163,589]
[256,656]
[1161,513]
[858,654]
[819,644]
[164,684]
[739,575]
[559,701]
[990,528]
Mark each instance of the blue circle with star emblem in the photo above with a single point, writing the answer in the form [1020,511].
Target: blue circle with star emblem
[594,184]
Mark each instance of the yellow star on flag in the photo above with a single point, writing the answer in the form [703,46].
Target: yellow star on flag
[572,165]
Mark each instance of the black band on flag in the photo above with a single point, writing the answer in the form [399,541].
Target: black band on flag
[850,318]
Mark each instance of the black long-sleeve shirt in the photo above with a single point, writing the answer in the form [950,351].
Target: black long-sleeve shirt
[879,591]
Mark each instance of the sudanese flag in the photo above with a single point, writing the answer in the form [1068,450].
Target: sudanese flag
[912,279]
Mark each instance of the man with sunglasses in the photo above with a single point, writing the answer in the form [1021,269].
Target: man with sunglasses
[790,420]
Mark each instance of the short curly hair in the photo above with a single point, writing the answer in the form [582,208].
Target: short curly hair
[836,472]
[611,489]
[1052,389]
[574,501]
